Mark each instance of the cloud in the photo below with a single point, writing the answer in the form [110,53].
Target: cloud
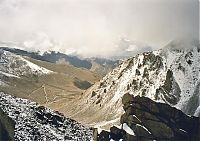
[95,27]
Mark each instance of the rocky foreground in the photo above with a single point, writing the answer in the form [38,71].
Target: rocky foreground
[146,120]
[26,120]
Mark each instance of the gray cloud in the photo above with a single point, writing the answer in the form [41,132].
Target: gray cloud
[95,27]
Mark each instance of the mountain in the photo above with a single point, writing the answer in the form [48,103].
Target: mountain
[49,84]
[26,120]
[14,66]
[161,86]
[52,57]
[17,66]
[169,75]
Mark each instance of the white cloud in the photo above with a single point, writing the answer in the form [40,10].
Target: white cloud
[93,27]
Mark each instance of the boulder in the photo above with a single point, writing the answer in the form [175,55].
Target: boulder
[148,120]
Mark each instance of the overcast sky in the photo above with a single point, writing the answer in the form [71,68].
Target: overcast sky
[94,27]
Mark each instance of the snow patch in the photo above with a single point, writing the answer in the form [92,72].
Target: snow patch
[128,129]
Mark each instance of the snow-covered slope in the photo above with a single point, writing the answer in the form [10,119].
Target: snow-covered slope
[170,75]
[34,122]
[15,66]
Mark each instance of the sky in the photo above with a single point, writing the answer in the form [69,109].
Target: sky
[97,27]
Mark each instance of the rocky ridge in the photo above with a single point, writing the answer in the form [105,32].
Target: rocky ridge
[35,122]
[146,120]
[169,75]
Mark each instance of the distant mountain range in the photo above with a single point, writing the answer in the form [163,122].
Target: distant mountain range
[54,57]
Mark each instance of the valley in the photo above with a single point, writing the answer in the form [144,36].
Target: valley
[54,89]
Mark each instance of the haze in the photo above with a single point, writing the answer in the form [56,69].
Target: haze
[95,27]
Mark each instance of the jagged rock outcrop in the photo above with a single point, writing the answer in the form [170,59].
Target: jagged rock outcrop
[35,122]
[146,120]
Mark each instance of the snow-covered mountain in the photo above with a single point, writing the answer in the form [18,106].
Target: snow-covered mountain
[16,66]
[169,75]
[35,122]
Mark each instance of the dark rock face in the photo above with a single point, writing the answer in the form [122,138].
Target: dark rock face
[149,120]
[170,90]
[7,126]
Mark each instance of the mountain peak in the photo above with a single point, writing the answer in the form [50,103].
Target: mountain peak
[163,76]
